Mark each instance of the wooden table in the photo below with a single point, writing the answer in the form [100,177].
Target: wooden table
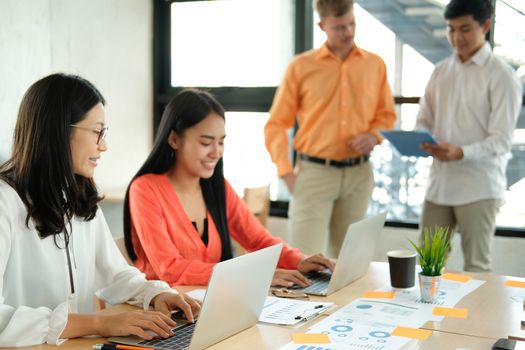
[492,315]
[269,337]
[266,337]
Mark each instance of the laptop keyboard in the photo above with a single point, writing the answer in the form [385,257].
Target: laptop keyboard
[319,284]
[179,341]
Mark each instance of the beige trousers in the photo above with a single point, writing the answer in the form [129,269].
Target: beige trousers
[325,201]
[476,223]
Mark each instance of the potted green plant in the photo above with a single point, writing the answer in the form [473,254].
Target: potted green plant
[432,255]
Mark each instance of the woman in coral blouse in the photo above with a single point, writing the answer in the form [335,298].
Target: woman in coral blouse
[180,214]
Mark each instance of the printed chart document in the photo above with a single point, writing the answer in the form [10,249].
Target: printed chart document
[385,324]
[408,143]
[366,324]
[291,311]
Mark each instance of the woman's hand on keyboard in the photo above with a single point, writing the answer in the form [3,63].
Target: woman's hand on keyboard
[287,278]
[167,302]
[140,323]
[316,263]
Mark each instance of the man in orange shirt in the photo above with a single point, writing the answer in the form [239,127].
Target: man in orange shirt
[340,96]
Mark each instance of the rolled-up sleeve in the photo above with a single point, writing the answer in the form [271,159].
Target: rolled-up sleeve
[25,326]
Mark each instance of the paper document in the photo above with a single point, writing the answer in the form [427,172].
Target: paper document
[366,324]
[388,324]
[449,294]
[408,143]
[291,311]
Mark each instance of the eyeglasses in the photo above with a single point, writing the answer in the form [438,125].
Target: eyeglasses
[101,133]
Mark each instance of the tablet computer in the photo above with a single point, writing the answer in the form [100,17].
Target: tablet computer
[408,143]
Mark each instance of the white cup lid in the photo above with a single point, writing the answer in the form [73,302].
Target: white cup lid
[401,253]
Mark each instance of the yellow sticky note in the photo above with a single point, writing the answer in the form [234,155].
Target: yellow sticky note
[379,295]
[310,338]
[450,312]
[413,333]
[456,277]
[517,284]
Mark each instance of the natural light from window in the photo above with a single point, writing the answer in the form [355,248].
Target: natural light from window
[249,44]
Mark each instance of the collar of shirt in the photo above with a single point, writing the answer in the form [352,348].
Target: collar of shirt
[324,51]
[479,58]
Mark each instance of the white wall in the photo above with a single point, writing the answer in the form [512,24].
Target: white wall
[110,43]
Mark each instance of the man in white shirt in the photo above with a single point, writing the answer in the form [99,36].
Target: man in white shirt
[471,105]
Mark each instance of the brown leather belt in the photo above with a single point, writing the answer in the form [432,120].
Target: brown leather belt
[336,163]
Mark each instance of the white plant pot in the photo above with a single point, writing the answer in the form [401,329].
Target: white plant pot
[429,287]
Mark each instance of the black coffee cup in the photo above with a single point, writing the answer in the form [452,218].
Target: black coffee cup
[402,268]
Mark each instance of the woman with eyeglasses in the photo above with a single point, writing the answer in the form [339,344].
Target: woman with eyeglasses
[180,214]
[56,251]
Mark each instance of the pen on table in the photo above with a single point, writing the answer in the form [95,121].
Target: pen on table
[309,317]
[117,346]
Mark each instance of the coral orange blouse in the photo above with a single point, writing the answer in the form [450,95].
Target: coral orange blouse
[169,247]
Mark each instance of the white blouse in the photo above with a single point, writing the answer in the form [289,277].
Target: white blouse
[35,288]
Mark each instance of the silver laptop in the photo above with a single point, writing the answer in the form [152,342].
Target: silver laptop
[234,300]
[354,258]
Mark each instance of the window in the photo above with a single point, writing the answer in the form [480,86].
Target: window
[230,43]
[509,43]
[509,33]
[247,163]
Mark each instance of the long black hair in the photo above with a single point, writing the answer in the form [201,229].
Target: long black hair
[41,167]
[185,110]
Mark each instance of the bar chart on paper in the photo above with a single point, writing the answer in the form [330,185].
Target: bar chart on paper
[346,346]
[354,346]
[311,347]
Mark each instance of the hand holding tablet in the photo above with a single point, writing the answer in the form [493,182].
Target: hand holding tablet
[408,143]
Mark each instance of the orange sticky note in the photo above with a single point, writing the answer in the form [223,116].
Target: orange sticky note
[517,284]
[413,333]
[310,338]
[379,295]
[449,312]
[456,277]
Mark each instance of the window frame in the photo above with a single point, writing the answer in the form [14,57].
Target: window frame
[233,98]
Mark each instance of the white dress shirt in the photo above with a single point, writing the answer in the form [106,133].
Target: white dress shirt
[474,105]
[35,290]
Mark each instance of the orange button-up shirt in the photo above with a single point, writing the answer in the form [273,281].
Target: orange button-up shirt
[333,101]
